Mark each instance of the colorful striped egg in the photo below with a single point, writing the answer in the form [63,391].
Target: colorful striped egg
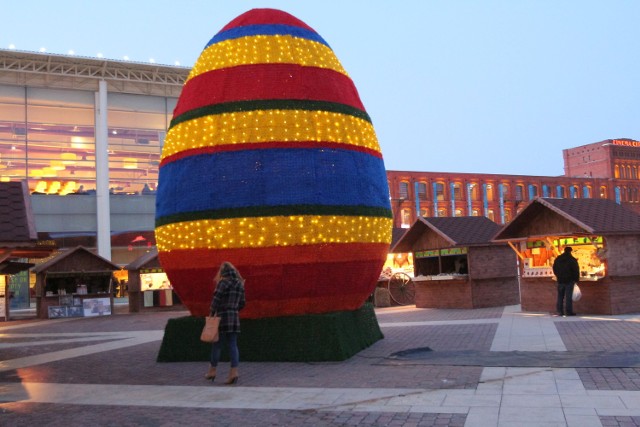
[271,162]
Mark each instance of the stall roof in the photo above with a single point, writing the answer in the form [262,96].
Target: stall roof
[150,257]
[459,231]
[587,216]
[18,237]
[92,262]
[17,225]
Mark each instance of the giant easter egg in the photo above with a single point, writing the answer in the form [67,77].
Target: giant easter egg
[271,162]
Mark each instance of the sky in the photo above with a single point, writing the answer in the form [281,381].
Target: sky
[480,86]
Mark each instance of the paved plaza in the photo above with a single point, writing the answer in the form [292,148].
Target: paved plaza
[484,367]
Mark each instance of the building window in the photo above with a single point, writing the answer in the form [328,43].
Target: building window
[475,212]
[586,192]
[424,212]
[560,192]
[616,171]
[403,190]
[422,191]
[439,191]
[475,195]
[519,192]
[505,191]
[628,172]
[507,215]
[603,192]
[406,218]
[457,191]
[491,215]
[575,192]
[533,191]
[490,195]
[458,212]
[442,212]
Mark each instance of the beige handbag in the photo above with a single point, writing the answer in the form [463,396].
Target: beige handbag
[210,330]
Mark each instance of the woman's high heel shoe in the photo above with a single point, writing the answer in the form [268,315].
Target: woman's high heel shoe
[231,381]
[233,377]
[211,374]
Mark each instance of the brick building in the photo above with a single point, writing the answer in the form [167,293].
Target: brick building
[603,170]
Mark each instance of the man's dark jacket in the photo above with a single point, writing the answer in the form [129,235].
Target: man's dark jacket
[566,268]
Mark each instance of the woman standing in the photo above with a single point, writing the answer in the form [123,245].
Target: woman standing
[228,300]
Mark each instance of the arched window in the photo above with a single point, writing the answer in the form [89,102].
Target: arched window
[507,215]
[406,218]
[439,191]
[475,191]
[519,192]
[475,212]
[403,192]
[505,191]
[459,212]
[491,215]
[422,191]
[560,192]
[586,192]
[603,191]
[616,171]
[442,212]
[629,171]
[457,192]
[424,212]
[490,192]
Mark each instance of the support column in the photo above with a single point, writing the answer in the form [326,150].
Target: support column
[103,208]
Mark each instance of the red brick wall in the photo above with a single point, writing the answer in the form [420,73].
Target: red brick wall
[488,262]
[443,294]
[625,295]
[495,292]
[608,296]
[622,255]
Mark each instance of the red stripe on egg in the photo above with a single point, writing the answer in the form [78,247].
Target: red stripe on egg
[279,279]
[286,81]
[266,16]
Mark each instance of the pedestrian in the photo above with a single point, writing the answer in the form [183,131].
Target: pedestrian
[228,300]
[567,272]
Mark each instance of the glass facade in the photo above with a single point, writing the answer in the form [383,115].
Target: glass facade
[47,136]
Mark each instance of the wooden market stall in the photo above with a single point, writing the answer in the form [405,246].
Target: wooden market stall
[18,246]
[605,238]
[148,284]
[74,283]
[457,266]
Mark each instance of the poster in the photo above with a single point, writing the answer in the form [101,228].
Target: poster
[96,307]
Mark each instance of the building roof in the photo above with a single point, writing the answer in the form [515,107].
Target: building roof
[459,231]
[149,258]
[96,263]
[17,225]
[588,216]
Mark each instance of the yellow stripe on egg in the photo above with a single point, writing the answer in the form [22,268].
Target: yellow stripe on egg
[273,231]
[270,125]
[283,49]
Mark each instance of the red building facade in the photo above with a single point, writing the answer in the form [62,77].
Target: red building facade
[608,170]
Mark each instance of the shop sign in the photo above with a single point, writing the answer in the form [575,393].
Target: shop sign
[626,143]
[441,252]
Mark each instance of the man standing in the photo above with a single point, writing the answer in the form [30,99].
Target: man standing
[567,272]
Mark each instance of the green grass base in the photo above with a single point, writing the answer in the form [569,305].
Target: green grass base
[310,338]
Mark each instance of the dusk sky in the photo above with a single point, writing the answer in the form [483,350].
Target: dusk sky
[453,86]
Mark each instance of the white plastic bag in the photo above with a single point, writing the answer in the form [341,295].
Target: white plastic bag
[577,293]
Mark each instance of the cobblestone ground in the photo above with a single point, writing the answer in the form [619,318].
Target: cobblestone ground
[136,365]
[26,415]
[613,336]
